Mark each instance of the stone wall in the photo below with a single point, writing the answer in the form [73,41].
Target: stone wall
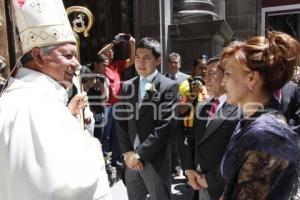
[244,17]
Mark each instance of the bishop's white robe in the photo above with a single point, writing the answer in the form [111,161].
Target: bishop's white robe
[44,154]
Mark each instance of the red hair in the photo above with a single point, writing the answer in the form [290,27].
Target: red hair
[274,57]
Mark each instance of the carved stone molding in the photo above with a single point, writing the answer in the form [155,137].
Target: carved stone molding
[193,11]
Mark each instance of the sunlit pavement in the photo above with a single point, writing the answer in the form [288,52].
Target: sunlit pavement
[118,191]
[180,191]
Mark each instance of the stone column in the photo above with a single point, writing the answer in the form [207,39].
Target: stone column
[193,11]
[219,8]
[198,27]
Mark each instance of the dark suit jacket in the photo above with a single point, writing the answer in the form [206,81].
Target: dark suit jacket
[207,145]
[152,121]
[290,105]
[181,77]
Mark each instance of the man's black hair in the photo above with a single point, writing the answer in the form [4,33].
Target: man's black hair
[152,44]
[200,59]
[87,73]
[100,58]
[85,70]
[27,57]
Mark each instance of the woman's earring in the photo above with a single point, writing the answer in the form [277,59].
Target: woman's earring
[250,88]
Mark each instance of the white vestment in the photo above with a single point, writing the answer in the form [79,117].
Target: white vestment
[44,153]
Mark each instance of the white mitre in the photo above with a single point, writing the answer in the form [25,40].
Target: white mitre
[42,23]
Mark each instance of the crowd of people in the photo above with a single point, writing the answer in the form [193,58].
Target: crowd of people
[230,129]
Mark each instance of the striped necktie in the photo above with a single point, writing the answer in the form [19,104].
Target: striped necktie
[214,105]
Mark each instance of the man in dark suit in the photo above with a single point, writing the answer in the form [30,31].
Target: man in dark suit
[214,124]
[144,120]
[289,98]
[174,66]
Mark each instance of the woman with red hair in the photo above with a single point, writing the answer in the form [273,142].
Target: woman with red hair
[261,160]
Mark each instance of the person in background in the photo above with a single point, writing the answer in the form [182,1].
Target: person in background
[99,93]
[289,99]
[114,72]
[115,68]
[74,94]
[45,153]
[199,66]
[192,91]
[262,158]
[194,87]
[174,66]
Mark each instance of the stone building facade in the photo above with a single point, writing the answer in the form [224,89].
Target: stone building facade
[244,17]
